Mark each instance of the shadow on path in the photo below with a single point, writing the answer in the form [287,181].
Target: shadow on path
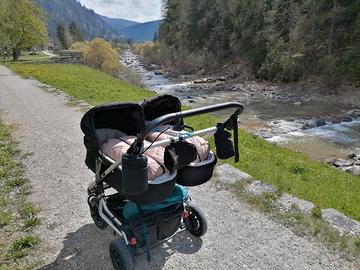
[88,248]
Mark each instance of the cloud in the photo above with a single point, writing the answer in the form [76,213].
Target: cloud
[136,10]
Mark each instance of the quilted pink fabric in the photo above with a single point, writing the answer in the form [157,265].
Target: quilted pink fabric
[115,148]
[202,145]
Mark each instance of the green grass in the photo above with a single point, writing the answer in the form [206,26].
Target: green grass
[83,82]
[21,247]
[17,215]
[291,172]
[26,57]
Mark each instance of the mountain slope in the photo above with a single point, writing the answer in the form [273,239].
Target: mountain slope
[118,24]
[90,23]
[141,32]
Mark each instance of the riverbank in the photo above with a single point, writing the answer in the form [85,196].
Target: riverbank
[289,171]
[319,129]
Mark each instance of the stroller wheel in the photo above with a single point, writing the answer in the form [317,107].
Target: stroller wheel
[197,220]
[99,222]
[120,255]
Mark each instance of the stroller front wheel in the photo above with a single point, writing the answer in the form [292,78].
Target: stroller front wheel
[197,220]
[120,255]
[94,211]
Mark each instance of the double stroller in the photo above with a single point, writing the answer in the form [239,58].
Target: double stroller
[143,196]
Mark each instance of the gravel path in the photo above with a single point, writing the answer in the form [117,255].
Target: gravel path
[238,237]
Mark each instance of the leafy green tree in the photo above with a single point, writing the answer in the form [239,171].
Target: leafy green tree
[22,25]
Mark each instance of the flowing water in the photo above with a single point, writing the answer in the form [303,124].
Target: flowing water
[320,130]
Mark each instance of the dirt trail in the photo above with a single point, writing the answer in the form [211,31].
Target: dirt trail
[238,237]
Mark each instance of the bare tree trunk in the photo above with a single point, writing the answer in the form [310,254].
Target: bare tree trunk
[16,52]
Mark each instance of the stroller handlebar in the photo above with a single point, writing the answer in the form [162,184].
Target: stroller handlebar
[165,119]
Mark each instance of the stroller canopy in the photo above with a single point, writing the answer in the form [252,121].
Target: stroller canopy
[125,117]
[128,118]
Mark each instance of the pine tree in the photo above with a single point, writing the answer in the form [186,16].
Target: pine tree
[75,33]
[61,35]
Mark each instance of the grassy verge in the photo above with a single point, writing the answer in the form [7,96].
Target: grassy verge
[17,215]
[289,171]
[83,82]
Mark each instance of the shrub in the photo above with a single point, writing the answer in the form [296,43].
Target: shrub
[153,53]
[100,55]
[78,47]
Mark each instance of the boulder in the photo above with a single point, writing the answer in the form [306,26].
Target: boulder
[158,72]
[258,188]
[354,170]
[343,163]
[320,122]
[340,222]
[308,125]
[289,202]
[229,175]
[352,156]
[331,161]
[346,119]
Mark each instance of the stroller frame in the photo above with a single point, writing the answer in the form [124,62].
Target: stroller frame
[125,249]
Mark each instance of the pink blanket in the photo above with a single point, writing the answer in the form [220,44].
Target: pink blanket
[115,148]
[202,145]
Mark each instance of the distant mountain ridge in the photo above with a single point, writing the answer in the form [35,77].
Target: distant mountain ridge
[92,24]
[141,32]
[118,23]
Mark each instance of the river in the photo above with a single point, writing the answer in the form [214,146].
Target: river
[319,130]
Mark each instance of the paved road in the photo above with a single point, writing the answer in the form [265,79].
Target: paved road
[238,237]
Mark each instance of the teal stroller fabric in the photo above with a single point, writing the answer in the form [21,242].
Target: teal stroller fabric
[180,194]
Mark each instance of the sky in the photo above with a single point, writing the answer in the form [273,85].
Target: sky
[134,10]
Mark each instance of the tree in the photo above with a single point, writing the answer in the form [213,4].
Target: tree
[22,24]
[281,39]
[100,55]
[62,36]
[75,32]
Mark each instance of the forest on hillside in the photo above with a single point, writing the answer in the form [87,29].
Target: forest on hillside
[284,40]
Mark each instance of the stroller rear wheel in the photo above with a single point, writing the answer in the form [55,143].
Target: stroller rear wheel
[120,255]
[197,220]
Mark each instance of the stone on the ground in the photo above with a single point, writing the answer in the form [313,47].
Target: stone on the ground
[258,188]
[340,222]
[287,202]
[229,175]
[352,156]
[330,161]
[354,170]
[343,163]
